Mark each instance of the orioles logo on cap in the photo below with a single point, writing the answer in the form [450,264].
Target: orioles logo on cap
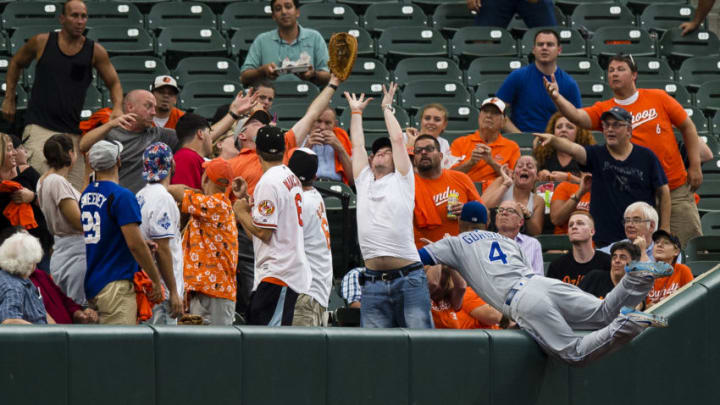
[266,208]
[166,79]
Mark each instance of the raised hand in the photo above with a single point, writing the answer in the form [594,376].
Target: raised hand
[125,121]
[552,87]
[388,94]
[244,102]
[357,104]
[239,187]
[545,139]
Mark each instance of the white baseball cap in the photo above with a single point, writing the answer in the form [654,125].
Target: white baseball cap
[165,80]
[104,154]
[494,101]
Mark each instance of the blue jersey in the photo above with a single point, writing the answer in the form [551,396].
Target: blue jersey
[105,207]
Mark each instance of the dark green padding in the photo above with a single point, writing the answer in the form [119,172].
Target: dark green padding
[33,365]
[711,324]
[198,364]
[111,365]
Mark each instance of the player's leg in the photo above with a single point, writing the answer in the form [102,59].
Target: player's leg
[414,304]
[496,13]
[376,310]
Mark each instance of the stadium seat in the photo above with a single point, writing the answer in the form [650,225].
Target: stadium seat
[288,113]
[450,17]
[462,120]
[23,13]
[242,39]
[370,69]
[518,28]
[418,93]
[662,17]
[21,96]
[597,15]
[653,67]
[582,68]
[609,41]
[553,246]
[711,223]
[638,6]
[429,6]
[592,91]
[403,42]
[184,13]
[471,42]
[699,267]
[93,102]
[703,248]
[379,17]
[360,5]
[374,119]
[324,14]
[22,34]
[366,44]
[178,41]
[292,92]
[138,67]
[371,88]
[572,42]
[198,93]
[127,85]
[485,89]
[498,67]
[675,89]
[426,68]
[677,48]
[246,14]
[207,110]
[4,43]
[708,96]
[206,68]
[709,189]
[124,41]
[698,70]
[105,14]
[699,119]
[523,139]
[709,204]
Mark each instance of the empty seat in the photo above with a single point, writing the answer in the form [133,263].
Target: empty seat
[711,223]
[23,13]
[293,92]
[242,40]
[402,42]
[206,68]
[207,110]
[101,14]
[597,15]
[662,17]
[374,119]
[288,113]
[21,96]
[653,67]
[609,41]
[449,17]
[498,67]
[485,89]
[371,88]
[185,13]
[462,120]
[701,266]
[708,96]
[379,17]
[138,67]
[246,15]
[427,68]
[592,91]
[675,89]
[471,42]
[366,44]
[417,94]
[4,43]
[699,119]
[124,41]
[677,48]
[370,69]
[698,70]
[127,86]
[324,14]
[582,68]
[93,102]
[553,246]
[22,34]
[572,42]
[178,41]
[198,93]
[709,188]
[523,139]
[703,248]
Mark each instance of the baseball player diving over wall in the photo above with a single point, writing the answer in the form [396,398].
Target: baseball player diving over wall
[548,309]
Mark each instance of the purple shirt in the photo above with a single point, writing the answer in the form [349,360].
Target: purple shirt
[533,251]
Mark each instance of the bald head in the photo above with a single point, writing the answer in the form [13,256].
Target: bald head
[142,104]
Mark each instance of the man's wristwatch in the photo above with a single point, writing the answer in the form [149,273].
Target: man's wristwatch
[332,86]
[233,115]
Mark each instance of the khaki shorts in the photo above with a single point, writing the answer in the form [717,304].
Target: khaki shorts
[34,138]
[116,303]
[684,217]
[309,312]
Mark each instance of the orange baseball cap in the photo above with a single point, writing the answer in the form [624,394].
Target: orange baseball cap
[219,171]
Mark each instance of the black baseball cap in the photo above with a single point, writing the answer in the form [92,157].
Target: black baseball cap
[618,113]
[664,234]
[380,143]
[304,163]
[270,139]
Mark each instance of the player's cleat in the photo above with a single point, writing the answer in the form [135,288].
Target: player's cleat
[644,318]
[653,269]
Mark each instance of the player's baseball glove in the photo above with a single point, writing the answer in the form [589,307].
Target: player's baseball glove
[343,51]
[188,319]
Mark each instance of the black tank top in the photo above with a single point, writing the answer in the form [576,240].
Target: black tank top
[61,81]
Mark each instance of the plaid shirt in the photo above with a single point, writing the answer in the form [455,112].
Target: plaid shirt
[350,285]
[20,299]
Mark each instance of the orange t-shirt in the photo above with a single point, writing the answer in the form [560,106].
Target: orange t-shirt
[562,192]
[210,245]
[445,318]
[503,151]
[667,285]
[654,114]
[102,116]
[247,163]
[430,219]
[347,145]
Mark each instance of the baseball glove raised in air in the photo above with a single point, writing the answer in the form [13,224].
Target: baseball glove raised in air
[343,51]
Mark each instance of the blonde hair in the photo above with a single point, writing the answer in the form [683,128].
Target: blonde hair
[543,152]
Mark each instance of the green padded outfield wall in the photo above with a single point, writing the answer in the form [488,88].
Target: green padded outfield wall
[337,366]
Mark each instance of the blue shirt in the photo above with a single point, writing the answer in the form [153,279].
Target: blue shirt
[269,47]
[617,184]
[524,90]
[326,162]
[20,299]
[105,207]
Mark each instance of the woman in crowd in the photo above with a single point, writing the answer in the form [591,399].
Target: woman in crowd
[558,166]
[224,146]
[433,121]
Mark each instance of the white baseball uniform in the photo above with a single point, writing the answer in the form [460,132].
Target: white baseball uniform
[316,231]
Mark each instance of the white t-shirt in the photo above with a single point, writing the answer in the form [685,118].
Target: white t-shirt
[278,206]
[444,145]
[161,219]
[160,122]
[316,231]
[385,215]
[50,192]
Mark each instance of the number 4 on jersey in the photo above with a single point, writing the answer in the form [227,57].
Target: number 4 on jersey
[496,253]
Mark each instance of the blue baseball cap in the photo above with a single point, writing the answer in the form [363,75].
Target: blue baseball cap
[475,212]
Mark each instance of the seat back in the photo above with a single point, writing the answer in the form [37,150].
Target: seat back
[698,70]
[708,96]
[427,68]
[204,92]
[102,14]
[124,41]
[366,44]
[295,92]
[370,69]
[206,68]
[246,15]
[676,47]
[450,17]
[675,89]
[592,91]
[20,13]
[582,68]
[324,14]
[597,15]
[653,68]
[138,67]
[380,16]
[609,41]
[418,93]
[185,13]
[662,17]
[703,248]
[471,42]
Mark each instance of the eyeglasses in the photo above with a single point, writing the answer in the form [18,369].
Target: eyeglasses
[509,211]
[428,149]
[628,58]
[634,221]
[614,125]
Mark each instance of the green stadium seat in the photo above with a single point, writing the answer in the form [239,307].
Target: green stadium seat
[127,85]
[138,67]
[426,68]
[207,110]
[523,139]
[379,17]
[699,267]
[246,15]
[709,204]
[715,125]
[325,14]
[699,119]
[708,96]
[206,68]
[4,43]
[592,91]
[597,15]
[144,5]
[567,6]
[93,102]
[654,68]
[677,48]
[485,89]
[295,92]
[703,248]
[698,70]
[709,188]
[370,69]
[242,39]
[675,89]
[102,14]
[418,93]
[582,68]
[371,88]
[22,34]
[711,223]
[471,42]
[553,246]
[179,41]
[366,44]
[21,96]
[288,113]
[404,42]
[124,41]
[572,42]
[185,13]
[374,120]
[450,17]
[429,6]
[662,17]
[638,6]
[609,41]
[23,13]
[462,120]
[497,67]
[360,5]
[198,93]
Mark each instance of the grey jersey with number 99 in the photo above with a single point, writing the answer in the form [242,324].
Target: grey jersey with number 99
[489,262]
